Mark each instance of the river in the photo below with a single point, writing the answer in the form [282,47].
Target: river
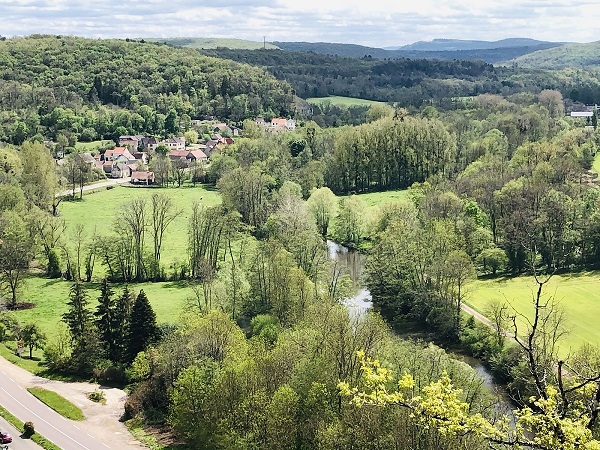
[353,263]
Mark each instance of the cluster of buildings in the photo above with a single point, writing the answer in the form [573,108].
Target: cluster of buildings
[131,156]
[276,124]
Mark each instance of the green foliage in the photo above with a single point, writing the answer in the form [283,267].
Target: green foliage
[33,337]
[350,224]
[93,76]
[191,394]
[440,407]
[28,429]
[54,268]
[97,396]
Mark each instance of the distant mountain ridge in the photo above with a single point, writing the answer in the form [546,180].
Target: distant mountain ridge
[208,43]
[489,55]
[465,44]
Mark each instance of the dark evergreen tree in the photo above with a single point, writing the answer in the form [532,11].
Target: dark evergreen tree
[143,330]
[105,320]
[121,317]
[78,318]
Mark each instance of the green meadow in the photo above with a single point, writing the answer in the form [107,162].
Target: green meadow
[375,199]
[578,295]
[101,210]
[342,101]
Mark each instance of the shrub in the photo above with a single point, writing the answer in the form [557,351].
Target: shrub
[28,429]
[53,269]
[97,396]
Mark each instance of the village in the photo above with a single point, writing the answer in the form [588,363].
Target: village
[131,157]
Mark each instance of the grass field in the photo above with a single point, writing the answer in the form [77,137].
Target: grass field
[168,299]
[101,210]
[578,294]
[596,164]
[375,199]
[94,145]
[341,101]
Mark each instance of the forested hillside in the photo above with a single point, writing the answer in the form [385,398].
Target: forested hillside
[89,88]
[573,56]
[410,82]
[487,53]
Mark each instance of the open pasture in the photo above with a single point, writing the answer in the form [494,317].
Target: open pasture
[342,101]
[578,295]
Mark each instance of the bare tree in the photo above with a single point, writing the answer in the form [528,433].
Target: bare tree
[163,213]
[134,215]
[79,236]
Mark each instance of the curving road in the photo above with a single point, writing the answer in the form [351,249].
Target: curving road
[62,432]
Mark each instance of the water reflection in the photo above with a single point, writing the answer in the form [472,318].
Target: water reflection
[352,263]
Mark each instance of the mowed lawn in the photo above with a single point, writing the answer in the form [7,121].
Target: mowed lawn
[578,295]
[342,101]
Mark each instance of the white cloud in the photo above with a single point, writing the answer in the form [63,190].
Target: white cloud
[373,22]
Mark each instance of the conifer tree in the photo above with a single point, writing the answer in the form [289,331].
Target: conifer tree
[143,330]
[120,326]
[78,318]
[105,320]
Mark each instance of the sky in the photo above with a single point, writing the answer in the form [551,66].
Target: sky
[375,23]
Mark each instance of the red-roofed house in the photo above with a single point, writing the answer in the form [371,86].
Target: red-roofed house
[121,154]
[142,177]
[196,155]
[175,155]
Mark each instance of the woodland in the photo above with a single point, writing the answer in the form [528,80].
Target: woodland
[265,355]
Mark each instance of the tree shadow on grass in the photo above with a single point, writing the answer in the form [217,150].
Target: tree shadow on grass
[181,284]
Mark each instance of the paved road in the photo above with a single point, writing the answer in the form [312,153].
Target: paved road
[63,432]
[90,187]
[18,442]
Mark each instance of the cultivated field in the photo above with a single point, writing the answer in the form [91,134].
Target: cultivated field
[341,101]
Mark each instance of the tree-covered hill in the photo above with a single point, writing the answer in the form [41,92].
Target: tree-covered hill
[405,81]
[571,55]
[410,82]
[469,44]
[39,74]
[503,51]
